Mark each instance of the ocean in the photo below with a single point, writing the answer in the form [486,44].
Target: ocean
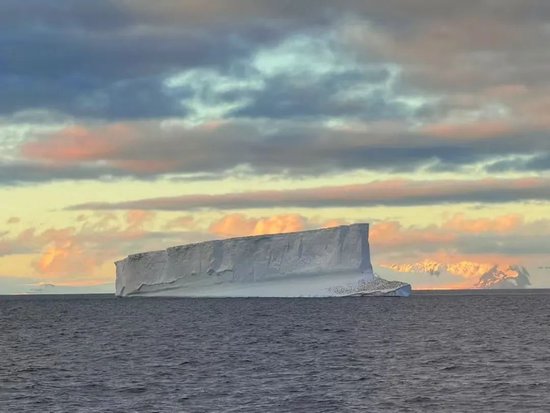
[444,352]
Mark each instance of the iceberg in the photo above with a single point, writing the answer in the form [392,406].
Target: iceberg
[317,263]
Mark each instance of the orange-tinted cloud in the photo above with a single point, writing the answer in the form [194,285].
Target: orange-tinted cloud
[184,221]
[64,256]
[137,219]
[75,254]
[76,143]
[332,223]
[233,225]
[391,234]
[501,224]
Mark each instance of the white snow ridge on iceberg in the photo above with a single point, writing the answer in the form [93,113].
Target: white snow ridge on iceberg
[318,263]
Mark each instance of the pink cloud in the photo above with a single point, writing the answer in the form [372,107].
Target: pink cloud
[472,130]
[392,235]
[184,221]
[74,254]
[503,224]
[64,256]
[233,225]
[137,219]
[76,144]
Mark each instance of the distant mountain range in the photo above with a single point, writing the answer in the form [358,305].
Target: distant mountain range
[487,275]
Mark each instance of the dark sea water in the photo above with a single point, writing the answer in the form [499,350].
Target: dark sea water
[485,352]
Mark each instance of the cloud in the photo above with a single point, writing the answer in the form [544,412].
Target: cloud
[183,221]
[535,163]
[391,193]
[138,219]
[146,150]
[287,85]
[233,225]
[78,254]
[329,95]
[390,235]
[21,172]
[116,66]
[113,58]
[64,256]
[238,225]
[75,144]
[473,130]
[115,73]
[503,224]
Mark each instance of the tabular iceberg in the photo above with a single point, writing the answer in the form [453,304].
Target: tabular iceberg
[317,263]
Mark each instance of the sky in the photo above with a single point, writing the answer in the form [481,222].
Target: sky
[133,125]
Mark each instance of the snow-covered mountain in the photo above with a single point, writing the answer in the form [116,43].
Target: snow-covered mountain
[484,275]
[513,276]
[463,268]
[426,266]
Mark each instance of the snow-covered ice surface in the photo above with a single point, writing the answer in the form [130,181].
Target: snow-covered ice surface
[324,262]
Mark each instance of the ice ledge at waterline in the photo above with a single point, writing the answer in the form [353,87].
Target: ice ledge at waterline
[318,263]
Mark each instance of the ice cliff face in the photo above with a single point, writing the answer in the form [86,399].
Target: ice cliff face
[308,263]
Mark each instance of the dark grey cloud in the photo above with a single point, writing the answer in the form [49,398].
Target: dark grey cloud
[103,75]
[389,193]
[89,15]
[132,99]
[13,173]
[107,59]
